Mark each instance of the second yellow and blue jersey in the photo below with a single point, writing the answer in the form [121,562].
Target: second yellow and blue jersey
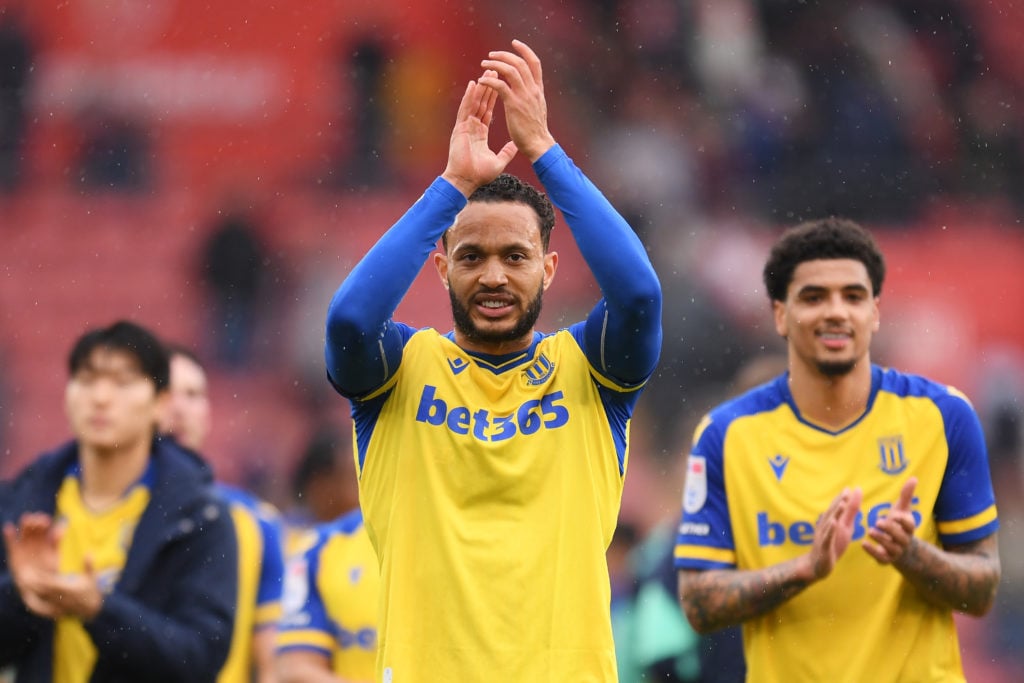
[331,598]
[491,532]
[259,531]
[758,477]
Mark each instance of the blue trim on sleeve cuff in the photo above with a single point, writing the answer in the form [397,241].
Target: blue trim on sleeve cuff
[688,563]
[549,158]
[448,191]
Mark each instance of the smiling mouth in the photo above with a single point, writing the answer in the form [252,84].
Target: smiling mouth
[835,340]
[493,303]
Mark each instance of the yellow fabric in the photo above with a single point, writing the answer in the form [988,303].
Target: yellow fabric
[867,607]
[105,538]
[491,495]
[250,558]
[339,616]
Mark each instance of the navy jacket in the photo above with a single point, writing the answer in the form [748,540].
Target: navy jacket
[170,615]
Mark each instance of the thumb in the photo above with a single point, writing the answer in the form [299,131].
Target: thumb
[507,153]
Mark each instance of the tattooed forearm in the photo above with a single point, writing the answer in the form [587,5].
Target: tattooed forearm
[963,578]
[719,598]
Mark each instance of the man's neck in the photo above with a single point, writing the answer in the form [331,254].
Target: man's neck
[107,474]
[833,402]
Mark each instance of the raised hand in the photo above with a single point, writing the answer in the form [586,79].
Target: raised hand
[32,557]
[833,532]
[518,78]
[471,163]
[892,535]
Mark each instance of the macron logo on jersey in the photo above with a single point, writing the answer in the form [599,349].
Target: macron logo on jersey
[457,365]
[778,463]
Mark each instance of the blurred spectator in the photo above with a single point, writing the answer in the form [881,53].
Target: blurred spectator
[115,152]
[234,265]
[703,347]
[17,56]
[992,141]
[647,161]
[363,68]
[854,154]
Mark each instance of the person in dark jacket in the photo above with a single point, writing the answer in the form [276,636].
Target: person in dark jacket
[119,560]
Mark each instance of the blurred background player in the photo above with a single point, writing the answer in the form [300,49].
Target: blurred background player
[257,525]
[320,483]
[119,558]
[328,631]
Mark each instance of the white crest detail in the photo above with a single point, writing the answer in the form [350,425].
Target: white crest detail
[296,586]
[696,492]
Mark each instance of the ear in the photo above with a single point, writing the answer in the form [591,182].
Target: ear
[877,316]
[550,266]
[779,313]
[441,264]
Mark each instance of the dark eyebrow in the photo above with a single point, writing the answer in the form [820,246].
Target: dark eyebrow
[818,289]
[508,249]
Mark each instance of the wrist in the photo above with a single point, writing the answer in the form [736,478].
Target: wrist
[539,149]
[804,570]
[465,186]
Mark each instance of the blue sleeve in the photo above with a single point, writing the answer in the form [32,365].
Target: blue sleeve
[272,569]
[305,623]
[363,346]
[704,539]
[623,331]
[965,510]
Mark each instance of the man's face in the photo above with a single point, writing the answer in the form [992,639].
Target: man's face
[187,416]
[829,315]
[110,404]
[496,272]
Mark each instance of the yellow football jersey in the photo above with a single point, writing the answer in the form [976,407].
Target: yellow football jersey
[331,597]
[490,489]
[258,531]
[105,538]
[864,622]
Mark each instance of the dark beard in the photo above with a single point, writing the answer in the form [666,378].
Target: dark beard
[836,368]
[464,323]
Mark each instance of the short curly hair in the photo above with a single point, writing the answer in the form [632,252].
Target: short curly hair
[827,238]
[508,188]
